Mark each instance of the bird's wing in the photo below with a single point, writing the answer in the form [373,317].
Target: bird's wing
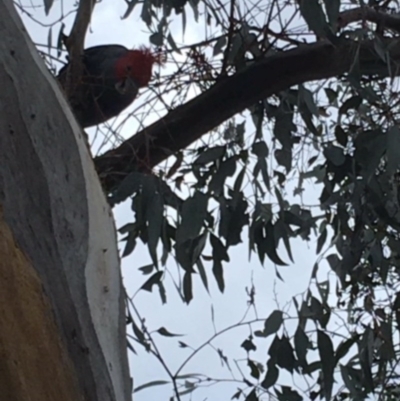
[95,57]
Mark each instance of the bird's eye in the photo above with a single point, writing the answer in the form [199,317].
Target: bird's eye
[128,68]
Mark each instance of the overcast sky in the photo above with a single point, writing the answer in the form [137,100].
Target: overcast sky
[194,321]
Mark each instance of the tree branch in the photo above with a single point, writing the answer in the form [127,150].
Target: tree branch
[384,20]
[187,123]
[75,43]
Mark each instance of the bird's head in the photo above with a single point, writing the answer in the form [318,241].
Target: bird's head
[137,64]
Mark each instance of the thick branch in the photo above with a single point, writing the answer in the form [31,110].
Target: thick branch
[189,122]
[384,20]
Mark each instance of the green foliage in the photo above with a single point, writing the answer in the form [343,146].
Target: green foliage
[346,137]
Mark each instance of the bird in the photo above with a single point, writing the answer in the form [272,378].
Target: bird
[112,76]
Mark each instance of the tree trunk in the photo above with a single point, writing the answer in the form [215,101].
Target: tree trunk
[62,325]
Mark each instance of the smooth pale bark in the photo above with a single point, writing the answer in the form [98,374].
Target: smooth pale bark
[62,324]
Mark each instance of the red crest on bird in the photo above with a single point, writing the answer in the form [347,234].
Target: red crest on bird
[112,78]
[138,64]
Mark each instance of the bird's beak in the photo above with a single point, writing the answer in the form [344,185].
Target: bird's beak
[121,86]
[126,85]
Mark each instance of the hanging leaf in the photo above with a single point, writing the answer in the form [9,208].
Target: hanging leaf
[344,347]
[219,254]
[269,245]
[172,43]
[226,169]
[307,98]
[146,13]
[254,372]
[341,136]
[351,379]
[314,16]
[147,269]
[194,212]
[162,292]
[285,356]
[252,396]
[326,354]
[321,240]
[260,149]
[154,279]
[219,45]
[301,345]
[331,95]
[271,376]
[139,335]
[155,219]
[249,345]
[369,149]
[288,394]
[157,39]
[353,103]
[129,185]
[164,332]
[319,312]
[187,287]
[189,251]
[131,6]
[282,231]
[150,384]
[272,324]
[210,155]
[49,41]
[234,217]
[366,355]
[284,158]
[195,7]
[393,149]
[60,40]
[47,6]
[202,272]
[130,243]
[335,155]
